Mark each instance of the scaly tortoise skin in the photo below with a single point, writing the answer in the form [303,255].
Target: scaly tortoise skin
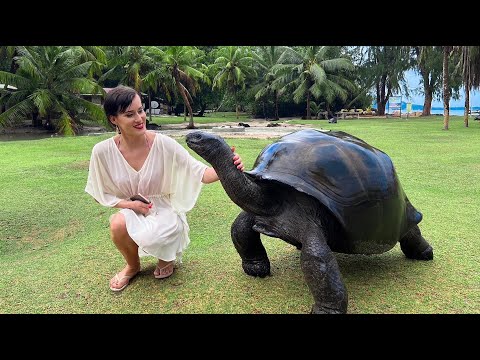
[321,192]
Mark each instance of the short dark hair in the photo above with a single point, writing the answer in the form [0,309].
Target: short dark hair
[118,100]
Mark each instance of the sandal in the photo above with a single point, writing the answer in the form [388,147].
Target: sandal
[165,271]
[119,279]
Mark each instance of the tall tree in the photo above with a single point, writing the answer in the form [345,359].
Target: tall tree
[266,58]
[382,68]
[316,71]
[430,66]
[49,80]
[183,64]
[232,67]
[446,87]
[128,65]
[7,63]
[469,66]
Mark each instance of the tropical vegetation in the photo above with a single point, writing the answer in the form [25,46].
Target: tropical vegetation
[47,85]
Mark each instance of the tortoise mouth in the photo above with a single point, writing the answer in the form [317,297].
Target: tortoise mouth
[193,138]
[209,146]
[195,141]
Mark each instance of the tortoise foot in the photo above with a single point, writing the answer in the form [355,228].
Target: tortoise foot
[414,254]
[325,310]
[259,268]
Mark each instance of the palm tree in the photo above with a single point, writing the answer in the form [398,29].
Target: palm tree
[49,80]
[446,87]
[231,68]
[316,71]
[7,63]
[127,65]
[183,63]
[470,68]
[266,58]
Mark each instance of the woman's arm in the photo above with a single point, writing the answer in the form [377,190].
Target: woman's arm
[136,206]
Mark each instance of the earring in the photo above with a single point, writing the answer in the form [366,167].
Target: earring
[118,129]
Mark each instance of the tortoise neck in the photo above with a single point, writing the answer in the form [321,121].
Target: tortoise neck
[239,186]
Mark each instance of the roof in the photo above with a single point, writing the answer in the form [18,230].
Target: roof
[8,87]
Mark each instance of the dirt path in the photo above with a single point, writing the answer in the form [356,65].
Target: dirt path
[258,129]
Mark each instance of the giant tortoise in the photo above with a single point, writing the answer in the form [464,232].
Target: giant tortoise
[320,191]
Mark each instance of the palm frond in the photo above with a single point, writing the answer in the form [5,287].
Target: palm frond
[17,113]
[14,80]
[43,100]
[300,91]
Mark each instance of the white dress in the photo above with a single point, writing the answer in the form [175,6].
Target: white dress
[170,178]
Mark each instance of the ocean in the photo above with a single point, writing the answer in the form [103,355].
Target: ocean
[455,110]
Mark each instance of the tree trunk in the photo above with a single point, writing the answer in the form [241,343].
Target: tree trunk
[427,83]
[264,114]
[181,90]
[275,93]
[149,107]
[36,121]
[329,111]
[467,103]
[184,112]
[446,90]
[203,107]
[427,105]
[382,98]
[309,116]
[236,104]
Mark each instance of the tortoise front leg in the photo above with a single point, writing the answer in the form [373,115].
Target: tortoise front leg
[323,276]
[414,246]
[249,246]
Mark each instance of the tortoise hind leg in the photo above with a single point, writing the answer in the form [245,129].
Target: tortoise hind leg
[323,276]
[414,246]
[249,246]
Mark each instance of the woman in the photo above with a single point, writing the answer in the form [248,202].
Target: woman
[136,161]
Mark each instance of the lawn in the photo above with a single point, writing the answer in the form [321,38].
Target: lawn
[56,255]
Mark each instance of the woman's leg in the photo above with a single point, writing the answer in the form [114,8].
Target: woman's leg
[127,247]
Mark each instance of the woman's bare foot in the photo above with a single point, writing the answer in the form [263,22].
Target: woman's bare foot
[121,279]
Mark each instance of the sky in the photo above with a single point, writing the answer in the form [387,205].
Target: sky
[413,81]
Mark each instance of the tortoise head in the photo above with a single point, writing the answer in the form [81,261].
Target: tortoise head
[206,145]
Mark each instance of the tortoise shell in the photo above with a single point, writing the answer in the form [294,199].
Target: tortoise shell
[355,181]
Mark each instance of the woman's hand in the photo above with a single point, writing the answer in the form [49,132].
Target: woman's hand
[140,207]
[237,160]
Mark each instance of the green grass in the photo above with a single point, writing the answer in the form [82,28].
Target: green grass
[56,255]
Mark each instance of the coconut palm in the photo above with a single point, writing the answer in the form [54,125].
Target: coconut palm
[49,80]
[470,67]
[316,71]
[232,67]
[183,64]
[128,65]
[446,87]
[266,58]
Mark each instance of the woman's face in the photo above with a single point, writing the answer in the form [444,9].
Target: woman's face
[133,120]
